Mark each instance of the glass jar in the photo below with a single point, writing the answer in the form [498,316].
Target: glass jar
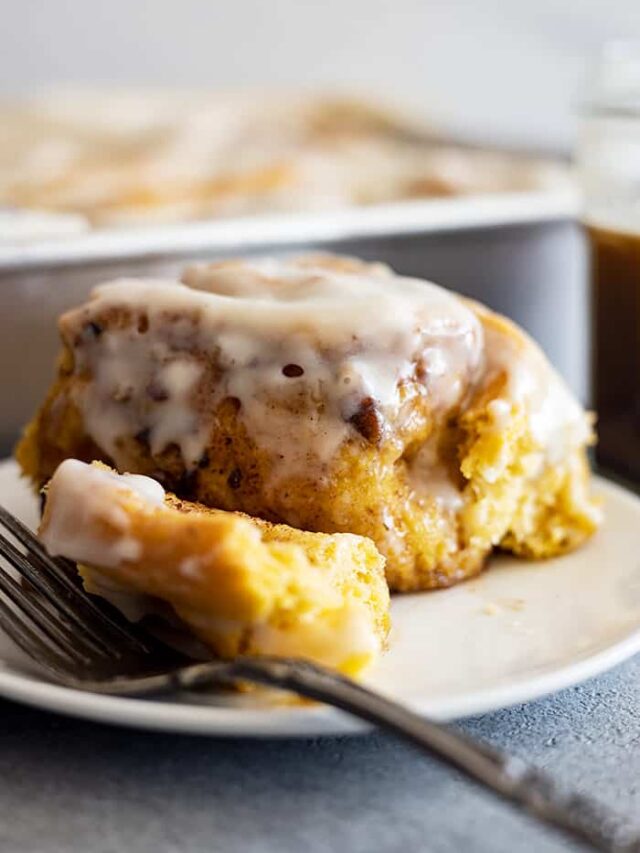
[608,159]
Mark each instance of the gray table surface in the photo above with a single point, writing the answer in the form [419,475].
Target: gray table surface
[69,785]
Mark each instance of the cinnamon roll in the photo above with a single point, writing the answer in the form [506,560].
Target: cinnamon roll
[331,395]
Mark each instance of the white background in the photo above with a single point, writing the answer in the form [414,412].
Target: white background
[501,69]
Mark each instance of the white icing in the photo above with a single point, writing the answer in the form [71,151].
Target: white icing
[355,330]
[128,549]
[176,420]
[303,346]
[190,567]
[127,367]
[82,496]
[430,478]
[557,421]
[146,487]
[499,410]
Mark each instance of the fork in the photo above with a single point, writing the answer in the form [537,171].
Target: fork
[83,643]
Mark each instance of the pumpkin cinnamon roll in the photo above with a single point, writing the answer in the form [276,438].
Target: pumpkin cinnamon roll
[331,395]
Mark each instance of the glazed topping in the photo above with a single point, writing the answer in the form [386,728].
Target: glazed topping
[558,423]
[81,497]
[312,351]
[308,353]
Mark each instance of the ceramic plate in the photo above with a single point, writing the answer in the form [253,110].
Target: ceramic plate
[519,631]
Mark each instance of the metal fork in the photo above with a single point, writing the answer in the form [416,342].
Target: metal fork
[84,644]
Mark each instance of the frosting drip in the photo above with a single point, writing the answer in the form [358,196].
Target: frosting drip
[313,352]
[83,493]
[317,349]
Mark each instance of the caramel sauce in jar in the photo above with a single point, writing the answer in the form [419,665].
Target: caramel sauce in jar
[615,287]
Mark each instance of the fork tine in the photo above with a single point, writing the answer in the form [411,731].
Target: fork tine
[14,626]
[56,606]
[42,569]
[57,636]
[47,613]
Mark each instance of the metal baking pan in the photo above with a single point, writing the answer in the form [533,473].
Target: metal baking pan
[521,253]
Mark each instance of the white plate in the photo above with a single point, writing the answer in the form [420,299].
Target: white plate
[519,631]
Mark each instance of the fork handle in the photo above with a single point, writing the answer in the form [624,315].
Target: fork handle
[531,790]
